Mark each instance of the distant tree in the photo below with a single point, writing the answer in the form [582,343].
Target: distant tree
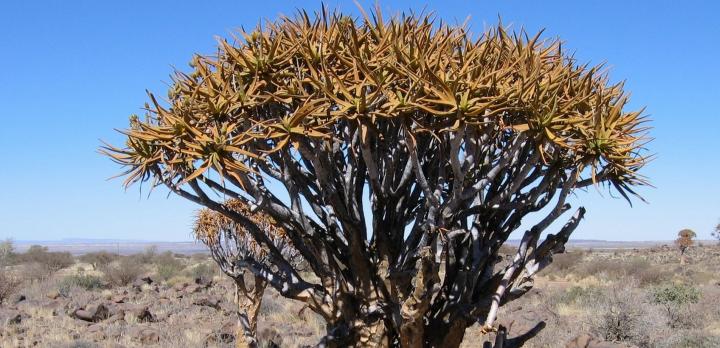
[49,261]
[98,259]
[716,232]
[237,253]
[9,283]
[684,241]
[7,251]
[397,156]
[121,273]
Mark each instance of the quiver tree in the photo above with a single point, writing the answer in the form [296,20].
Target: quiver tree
[398,155]
[684,241]
[716,232]
[238,255]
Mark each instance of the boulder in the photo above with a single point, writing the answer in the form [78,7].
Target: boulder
[92,313]
[142,314]
[83,315]
[12,317]
[207,301]
[203,282]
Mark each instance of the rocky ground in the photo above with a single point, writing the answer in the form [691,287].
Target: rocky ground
[146,313]
[586,299]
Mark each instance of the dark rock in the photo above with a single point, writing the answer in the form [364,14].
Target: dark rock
[99,311]
[116,309]
[12,317]
[92,313]
[207,301]
[142,314]
[272,337]
[203,282]
[83,315]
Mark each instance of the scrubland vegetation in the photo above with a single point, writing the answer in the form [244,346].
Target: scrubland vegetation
[603,298]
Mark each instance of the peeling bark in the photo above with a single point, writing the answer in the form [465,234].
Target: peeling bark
[248,299]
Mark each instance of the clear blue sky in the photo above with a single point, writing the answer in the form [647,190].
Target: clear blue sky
[74,70]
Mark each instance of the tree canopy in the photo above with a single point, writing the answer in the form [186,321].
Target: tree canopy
[451,138]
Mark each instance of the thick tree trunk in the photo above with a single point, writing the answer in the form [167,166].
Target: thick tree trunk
[375,332]
[248,300]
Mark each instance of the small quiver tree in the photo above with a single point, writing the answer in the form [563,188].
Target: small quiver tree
[239,256]
[684,241]
[398,156]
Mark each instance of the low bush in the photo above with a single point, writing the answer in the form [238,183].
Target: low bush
[7,252]
[691,339]
[562,263]
[99,259]
[124,271]
[8,284]
[580,295]
[167,265]
[86,282]
[203,270]
[50,261]
[640,269]
[676,294]
[619,315]
[146,256]
[676,299]
[199,257]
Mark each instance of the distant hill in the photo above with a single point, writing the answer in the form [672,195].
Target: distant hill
[79,246]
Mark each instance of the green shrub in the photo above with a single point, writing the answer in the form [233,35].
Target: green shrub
[619,315]
[676,299]
[167,265]
[641,269]
[50,261]
[676,294]
[7,252]
[98,259]
[564,262]
[580,295]
[203,270]
[124,271]
[8,284]
[86,282]
[146,256]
